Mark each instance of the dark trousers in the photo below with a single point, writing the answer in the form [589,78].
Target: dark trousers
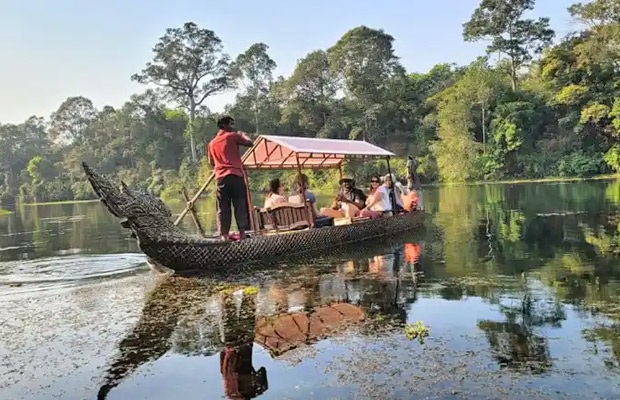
[231,189]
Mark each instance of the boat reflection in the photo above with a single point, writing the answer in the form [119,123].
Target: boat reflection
[198,317]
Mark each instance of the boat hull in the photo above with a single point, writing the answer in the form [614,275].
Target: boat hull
[196,256]
[167,246]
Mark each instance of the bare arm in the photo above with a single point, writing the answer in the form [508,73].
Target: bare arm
[374,199]
[359,203]
[244,140]
[210,157]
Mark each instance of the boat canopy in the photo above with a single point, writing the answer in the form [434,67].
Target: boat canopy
[293,152]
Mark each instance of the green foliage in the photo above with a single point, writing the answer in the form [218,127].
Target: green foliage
[254,70]
[308,96]
[461,123]
[455,138]
[189,65]
[597,12]
[517,123]
[501,21]
[41,169]
[417,331]
[594,113]
[172,192]
[364,58]
[71,122]
[615,114]
[612,157]
[538,164]
[580,164]
[571,94]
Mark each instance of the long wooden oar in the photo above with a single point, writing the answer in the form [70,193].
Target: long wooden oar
[190,203]
[192,209]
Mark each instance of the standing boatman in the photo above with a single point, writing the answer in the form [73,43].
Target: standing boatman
[225,158]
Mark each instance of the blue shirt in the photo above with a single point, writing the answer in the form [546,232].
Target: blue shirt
[310,196]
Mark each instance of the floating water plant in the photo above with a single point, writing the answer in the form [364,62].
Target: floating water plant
[250,290]
[417,331]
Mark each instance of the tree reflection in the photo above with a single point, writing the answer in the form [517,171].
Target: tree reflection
[515,346]
[609,335]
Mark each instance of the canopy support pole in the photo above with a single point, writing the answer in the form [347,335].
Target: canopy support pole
[340,170]
[302,192]
[249,196]
[192,209]
[393,192]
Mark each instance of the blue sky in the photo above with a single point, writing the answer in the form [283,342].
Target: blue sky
[53,49]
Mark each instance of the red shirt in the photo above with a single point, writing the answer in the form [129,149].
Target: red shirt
[224,153]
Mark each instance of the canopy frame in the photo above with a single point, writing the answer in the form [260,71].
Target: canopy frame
[294,153]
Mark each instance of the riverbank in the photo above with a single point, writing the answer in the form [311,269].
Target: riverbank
[330,190]
[523,181]
[61,202]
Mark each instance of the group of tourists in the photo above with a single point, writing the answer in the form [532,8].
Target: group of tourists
[385,196]
[276,195]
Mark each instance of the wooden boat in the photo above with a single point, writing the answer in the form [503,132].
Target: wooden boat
[166,245]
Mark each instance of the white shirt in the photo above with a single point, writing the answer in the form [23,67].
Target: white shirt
[384,204]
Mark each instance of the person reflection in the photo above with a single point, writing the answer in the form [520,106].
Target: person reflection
[241,381]
[412,261]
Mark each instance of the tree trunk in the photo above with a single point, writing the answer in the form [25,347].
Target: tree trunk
[256,114]
[513,73]
[513,62]
[192,114]
[484,127]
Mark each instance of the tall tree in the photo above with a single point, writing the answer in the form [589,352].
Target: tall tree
[480,82]
[310,93]
[190,66]
[70,123]
[597,13]
[365,61]
[18,144]
[502,22]
[364,58]
[254,69]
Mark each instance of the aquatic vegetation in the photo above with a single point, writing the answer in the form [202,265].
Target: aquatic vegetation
[250,290]
[4,212]
[227,289]
[417,331]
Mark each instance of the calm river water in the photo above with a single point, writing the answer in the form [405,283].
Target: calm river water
[518,284]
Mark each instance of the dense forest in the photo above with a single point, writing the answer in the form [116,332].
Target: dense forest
[531,107]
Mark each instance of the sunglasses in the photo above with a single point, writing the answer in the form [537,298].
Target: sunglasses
[375,181]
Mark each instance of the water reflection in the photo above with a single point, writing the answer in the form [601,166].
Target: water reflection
[200,317]
[526,277]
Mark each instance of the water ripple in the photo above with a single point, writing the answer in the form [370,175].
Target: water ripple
[56,272]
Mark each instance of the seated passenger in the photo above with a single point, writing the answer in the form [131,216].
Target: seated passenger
[378,201]
[276,194]
[396,191]
[296,198]
[347,203]
[411,201]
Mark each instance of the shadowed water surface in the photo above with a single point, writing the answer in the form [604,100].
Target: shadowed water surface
[518,284]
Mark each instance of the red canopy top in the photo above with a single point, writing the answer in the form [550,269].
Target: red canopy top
[284,152]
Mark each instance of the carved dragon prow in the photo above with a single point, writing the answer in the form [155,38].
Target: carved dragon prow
[146,215]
